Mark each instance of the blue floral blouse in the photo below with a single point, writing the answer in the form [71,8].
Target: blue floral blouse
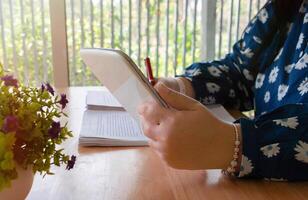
[275,142]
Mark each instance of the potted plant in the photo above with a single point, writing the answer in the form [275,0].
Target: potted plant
[30,134]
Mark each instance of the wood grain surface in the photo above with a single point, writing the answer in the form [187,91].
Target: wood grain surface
[137,173]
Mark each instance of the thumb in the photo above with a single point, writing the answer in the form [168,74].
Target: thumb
[175,99]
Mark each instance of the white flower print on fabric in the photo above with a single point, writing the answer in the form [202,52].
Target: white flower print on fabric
[253,20]
[247,75]
[212,87]
[242,44]
[196,72]
[302,63]
[246,166]
[291,122]
[189,71]
[289,68]
[239,60]
[259,80]
[257,39]
[267,97]
[248,29]
[306,18]
[214,71]
[301,54]
[232,93]
[302,149]
[209,100]
[282,91]
[271,150]
[279,54]
[263,15]
[248,53]
[237,67]
[303,87]
[224,68]
[193,72]
[300,41]
[273,75]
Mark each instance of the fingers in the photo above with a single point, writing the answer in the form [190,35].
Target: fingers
[169,82]
[149,129]
[152,112]
[156,146]
[176,99]
[152,116]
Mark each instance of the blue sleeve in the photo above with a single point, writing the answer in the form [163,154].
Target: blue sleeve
[230,81]
[275,145]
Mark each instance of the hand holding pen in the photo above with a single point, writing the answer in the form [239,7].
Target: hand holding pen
[178,84]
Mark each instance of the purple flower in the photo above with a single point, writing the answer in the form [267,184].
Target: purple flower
[63,101]
[50,89]
[55,130]
[71,163]
[9,81]
[10,124]
[42,87]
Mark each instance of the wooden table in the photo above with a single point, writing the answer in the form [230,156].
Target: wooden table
[137,173]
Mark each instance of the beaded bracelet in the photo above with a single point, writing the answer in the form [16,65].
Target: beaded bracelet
[181,85]
[231,169]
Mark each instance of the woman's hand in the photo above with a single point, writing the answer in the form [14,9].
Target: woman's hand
[173,83]
[187,136]
[170,82]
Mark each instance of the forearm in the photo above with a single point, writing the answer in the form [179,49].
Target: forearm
[188,88]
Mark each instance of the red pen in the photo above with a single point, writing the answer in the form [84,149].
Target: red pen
[149,70]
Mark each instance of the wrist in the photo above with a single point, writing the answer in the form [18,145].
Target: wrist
[185,86]
[226,142]
[234,163]
[239,160]
[181,85]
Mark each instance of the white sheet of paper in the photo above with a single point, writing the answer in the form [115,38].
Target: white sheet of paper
[111,125]
[102,98]
[220,112]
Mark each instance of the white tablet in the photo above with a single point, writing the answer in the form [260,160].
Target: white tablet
[116,70]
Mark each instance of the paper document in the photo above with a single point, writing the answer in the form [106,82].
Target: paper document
[102,100]
[220,112]
[110,128]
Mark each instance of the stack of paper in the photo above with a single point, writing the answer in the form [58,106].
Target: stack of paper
[106,123]
[102,100]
